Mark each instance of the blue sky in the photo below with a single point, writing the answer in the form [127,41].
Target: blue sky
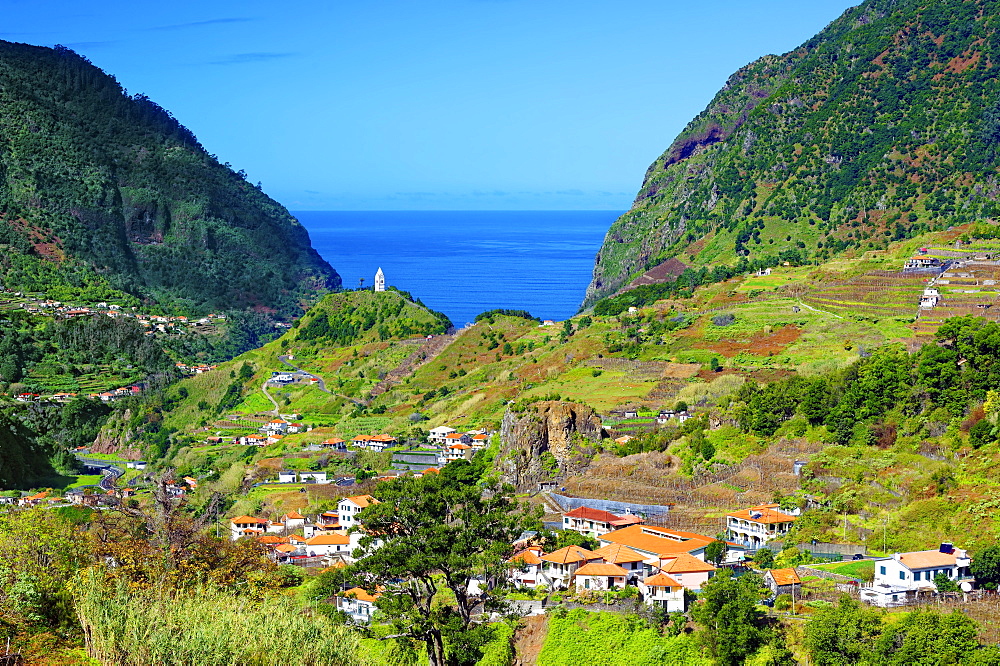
[434,105]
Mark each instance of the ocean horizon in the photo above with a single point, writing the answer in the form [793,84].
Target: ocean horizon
[463,263]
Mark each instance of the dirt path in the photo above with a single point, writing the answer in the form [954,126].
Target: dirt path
[426,353]
[529,639]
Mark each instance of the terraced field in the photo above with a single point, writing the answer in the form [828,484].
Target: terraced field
[879,294]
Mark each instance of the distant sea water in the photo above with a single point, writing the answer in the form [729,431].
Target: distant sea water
[464,263]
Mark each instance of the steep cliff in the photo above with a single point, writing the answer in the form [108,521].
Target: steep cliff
[546,441]
[884,125]
[101,191]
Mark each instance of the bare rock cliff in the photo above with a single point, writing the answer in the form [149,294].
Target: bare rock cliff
[547,441]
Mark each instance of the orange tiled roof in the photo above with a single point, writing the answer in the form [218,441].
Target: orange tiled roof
[362,500]
[924,559]
[598,569]
[286,548]
[785,577]
[361,595]
[657,540]
[568,555]
[627,519]
[270,539]
[528,556]
[294,515]
[769,515]
[685,563]
[328,540]
[616,552]
[661,580]
[248,519]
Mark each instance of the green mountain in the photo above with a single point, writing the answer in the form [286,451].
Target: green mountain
[884,125]
[102,192]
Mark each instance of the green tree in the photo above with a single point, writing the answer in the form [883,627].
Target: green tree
[843,635]
[927,638]
[716,551]
[764,558]
[423,542]
[986,567]
[945,584]
[733,626]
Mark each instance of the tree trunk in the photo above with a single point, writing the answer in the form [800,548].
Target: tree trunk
[435,648]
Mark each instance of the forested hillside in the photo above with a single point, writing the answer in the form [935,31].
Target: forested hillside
[882,126]
[102,192]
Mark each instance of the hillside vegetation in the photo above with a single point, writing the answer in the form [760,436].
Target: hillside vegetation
[102,193]
[882,126]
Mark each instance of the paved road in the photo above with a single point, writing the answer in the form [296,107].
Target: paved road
[111,471]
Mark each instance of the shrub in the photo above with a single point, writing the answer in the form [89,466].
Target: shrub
[725,319]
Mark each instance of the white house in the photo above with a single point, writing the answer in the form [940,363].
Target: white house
[287,476]
[242,526]
[690,572]
[595,522]
[457,451]
[663,543]
[632,562]
[758,525]
[917,569]
[526,567]
[663,591]
[349,507]
[328,544]
[314,477]
[358,604]
[558,567]
[293,520]
[599,576]
[438,435]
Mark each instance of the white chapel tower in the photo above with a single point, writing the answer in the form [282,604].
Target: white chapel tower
[379,280]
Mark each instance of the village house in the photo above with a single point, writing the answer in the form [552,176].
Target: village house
[287,476]
[660,590]
[662,543]
[335,443]
[690,572]
[632,562]
[242,526]
[902,576]
[314,477]
[480,440]
[599,576]
[758,525]
[358,604]
[293,520]
[783,581]
[459,451]
[526,567]
[437,435]
[595,522]
[558,567]
[921,262]
[328,544]
[275,426]
[349,508]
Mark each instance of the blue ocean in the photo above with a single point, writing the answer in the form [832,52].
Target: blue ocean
[464,263]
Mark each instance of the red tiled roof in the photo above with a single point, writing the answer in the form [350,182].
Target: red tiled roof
[586,513]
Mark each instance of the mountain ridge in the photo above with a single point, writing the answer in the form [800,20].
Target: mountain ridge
[880,127]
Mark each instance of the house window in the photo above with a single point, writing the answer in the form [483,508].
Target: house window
[882,571]
[902,575]
[586,583]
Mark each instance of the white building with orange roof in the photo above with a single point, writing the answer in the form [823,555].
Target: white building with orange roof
[349,507]
[358,604]
[599,576]
[479,440]
[558,567]
[758,525]
[438,434]
[663,591]
[328,544]
[293,520]
[632,562]
[690,572]
[526,567]
[457,451]
[242,526]
[899,576]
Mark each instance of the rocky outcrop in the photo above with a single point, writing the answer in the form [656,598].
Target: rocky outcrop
[547,441]
[114,438]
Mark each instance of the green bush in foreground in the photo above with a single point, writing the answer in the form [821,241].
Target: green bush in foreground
[127,627]
[609,639]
